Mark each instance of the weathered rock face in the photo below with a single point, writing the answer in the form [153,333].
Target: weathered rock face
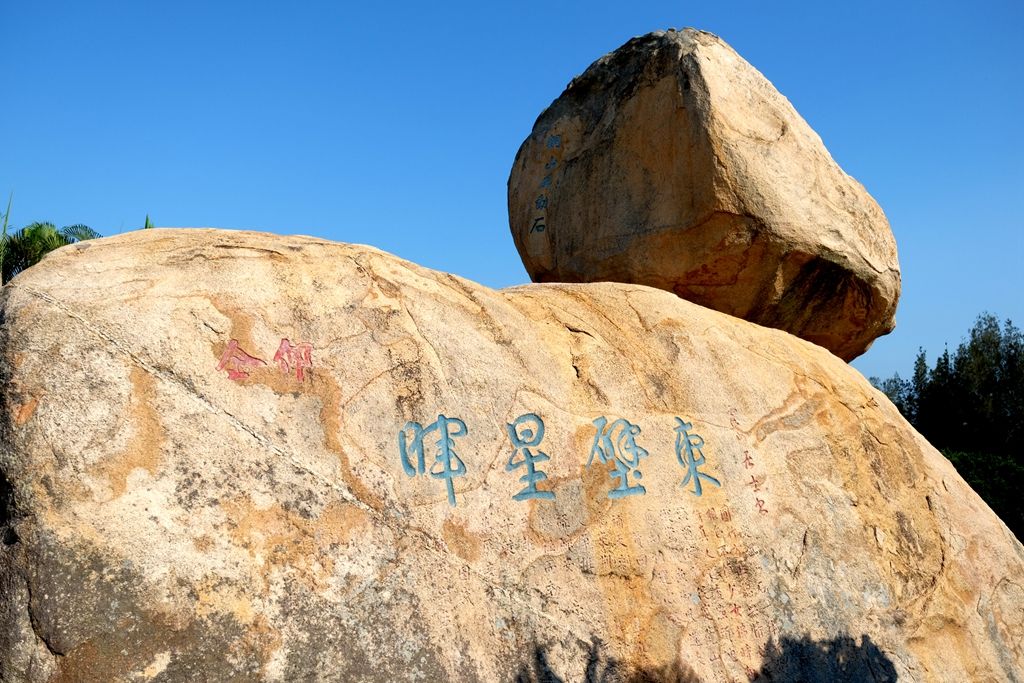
[203,480]
[673,163]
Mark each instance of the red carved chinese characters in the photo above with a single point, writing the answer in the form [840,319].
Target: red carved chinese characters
[748,462]
[756,482]
[295,357]
[237,362]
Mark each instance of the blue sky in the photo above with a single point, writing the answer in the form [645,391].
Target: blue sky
[395,124]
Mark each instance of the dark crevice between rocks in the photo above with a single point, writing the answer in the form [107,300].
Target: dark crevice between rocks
[808,307]
[578,331]
[37,629]
[791,660]
[8,536]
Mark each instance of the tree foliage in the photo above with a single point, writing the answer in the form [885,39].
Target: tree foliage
[970,405]
[26,247]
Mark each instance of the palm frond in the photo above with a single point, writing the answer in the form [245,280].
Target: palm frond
[78,232]
[7,214]
[38,225]
[26,247]
[3,239]
[41,236]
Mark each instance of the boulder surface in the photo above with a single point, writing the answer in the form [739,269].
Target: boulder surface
[235,456]
[674,163]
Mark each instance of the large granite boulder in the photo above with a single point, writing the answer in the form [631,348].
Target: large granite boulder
[673,163]
[234,456]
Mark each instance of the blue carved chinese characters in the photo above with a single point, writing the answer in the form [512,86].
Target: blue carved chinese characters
[616,443]
[525,433]
[447,464]
[690,456]
[430,450]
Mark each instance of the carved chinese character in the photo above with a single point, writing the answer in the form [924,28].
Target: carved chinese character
[616,443]
[526,432]
[690,456]
[237,362]
[542,202]
[294,357]
[447,463]
[554,141]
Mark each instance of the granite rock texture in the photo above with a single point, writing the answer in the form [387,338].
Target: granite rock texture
[202,480]
[672,162]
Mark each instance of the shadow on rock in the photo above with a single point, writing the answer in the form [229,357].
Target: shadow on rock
[602,668]
[792,660]
[840,659]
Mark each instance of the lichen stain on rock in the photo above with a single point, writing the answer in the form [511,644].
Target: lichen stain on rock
[127,652]
[557,524]
[659,641]
[800,407]
[331,418]
[203,543]
[461,540]
[25,411]
[143,450]
[221,601]
[596,481]
[93,613]
[280,539]
[215,596]
[623,579]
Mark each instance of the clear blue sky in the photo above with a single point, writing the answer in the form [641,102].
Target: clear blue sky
[395,124]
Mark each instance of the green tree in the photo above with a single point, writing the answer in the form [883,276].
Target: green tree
[26,247]
[1011,392]
[918,383]
[938,404]
[899,391]
[970,406]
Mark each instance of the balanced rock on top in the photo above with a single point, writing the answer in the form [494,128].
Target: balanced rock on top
[672,162]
